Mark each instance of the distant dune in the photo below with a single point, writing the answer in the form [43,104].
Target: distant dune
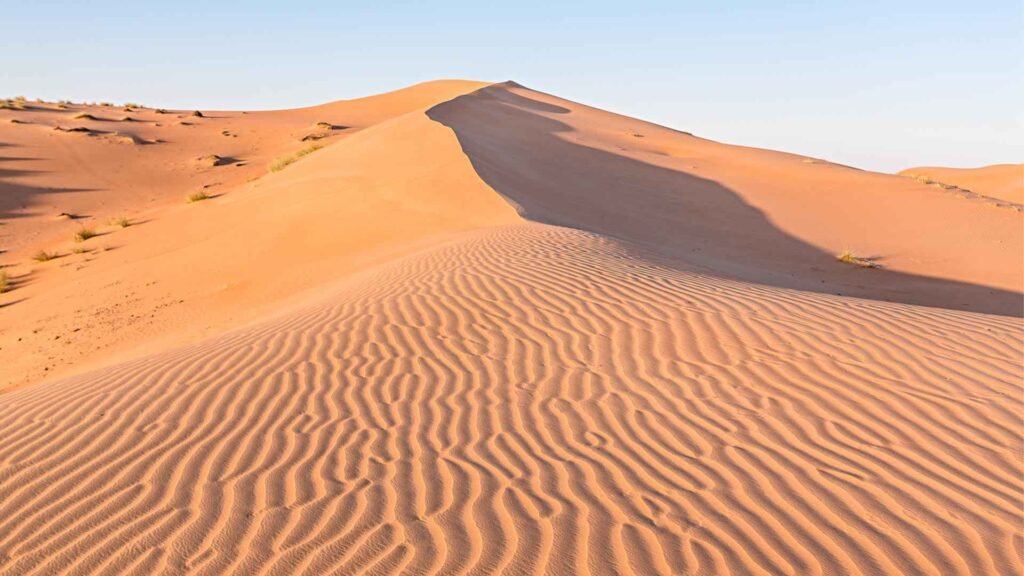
[464,328]
[1002,181]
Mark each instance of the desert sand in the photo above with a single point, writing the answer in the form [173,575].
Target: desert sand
[486,330]
[999,181]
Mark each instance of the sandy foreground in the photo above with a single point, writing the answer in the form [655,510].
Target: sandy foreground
[486,330]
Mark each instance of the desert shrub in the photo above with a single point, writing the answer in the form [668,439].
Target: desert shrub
[281,163]
[84,234]
[44,256]
[849,257]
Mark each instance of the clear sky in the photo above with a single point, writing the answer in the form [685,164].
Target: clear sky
[880,85]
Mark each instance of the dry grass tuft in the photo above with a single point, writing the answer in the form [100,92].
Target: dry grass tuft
[327,126]
[849,257]
[308,150]
[212,160]
[198,197]
[120,222]
[44,256]
[84,234]
[281,163]
[4,281]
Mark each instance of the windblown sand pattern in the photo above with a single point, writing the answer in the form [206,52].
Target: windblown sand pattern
[534,400]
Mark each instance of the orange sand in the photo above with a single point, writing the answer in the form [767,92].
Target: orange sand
[487,330]
[999,181]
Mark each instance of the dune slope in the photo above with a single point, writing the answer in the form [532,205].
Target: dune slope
[496,406]
[1002,181]
[491,331]
[192,270]
[93,162]
[756,215]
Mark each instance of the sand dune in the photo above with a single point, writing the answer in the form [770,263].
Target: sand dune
[47,170]
[1001,181]
[486,330]
[494,406]
[756,215]
[185,271]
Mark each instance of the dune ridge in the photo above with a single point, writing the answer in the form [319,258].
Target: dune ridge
[194,270]
[744,213]
[494,406]
[1002,181]
[488,330]
[400,171]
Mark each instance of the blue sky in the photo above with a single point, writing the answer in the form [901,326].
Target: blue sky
[880,85]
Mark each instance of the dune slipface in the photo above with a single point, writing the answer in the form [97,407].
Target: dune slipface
[561,360]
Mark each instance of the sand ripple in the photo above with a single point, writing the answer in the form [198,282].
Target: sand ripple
[532,400]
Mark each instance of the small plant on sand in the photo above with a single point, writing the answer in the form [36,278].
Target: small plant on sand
[198,197]
[79,250]
[3,281]
[198,114]
[12,105]
[120,222]
[308,150]
[160,111]
[84,234]
[849,257]
[44,256]
[83,116]
[133,105]
[211,160]
[281,163]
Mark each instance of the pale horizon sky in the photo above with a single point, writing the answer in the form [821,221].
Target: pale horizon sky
[877,85]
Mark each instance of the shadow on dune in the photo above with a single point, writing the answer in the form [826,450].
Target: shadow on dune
[657,213]
[16,195]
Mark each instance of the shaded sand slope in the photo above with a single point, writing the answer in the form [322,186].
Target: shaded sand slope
[199,269]
[534,400]
[751,214]
[1002,181]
